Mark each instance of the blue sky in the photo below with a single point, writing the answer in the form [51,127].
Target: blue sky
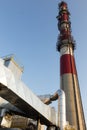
[28,29]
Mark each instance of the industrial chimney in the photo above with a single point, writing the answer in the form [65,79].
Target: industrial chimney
[68,73]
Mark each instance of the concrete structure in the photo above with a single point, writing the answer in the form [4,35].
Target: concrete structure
[18,94]
[13,64]
[68,74]
[17,98]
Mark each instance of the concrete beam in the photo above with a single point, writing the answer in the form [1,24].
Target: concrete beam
[19,95]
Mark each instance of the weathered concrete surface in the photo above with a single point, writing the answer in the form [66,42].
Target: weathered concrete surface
[18,94]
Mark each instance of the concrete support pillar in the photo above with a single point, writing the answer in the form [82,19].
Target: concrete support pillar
[38,125]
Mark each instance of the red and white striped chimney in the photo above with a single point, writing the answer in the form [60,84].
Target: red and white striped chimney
[68,74]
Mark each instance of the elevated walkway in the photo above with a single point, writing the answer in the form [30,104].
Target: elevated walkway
[19,95]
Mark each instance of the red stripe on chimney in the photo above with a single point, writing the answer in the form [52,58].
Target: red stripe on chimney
[67,64]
